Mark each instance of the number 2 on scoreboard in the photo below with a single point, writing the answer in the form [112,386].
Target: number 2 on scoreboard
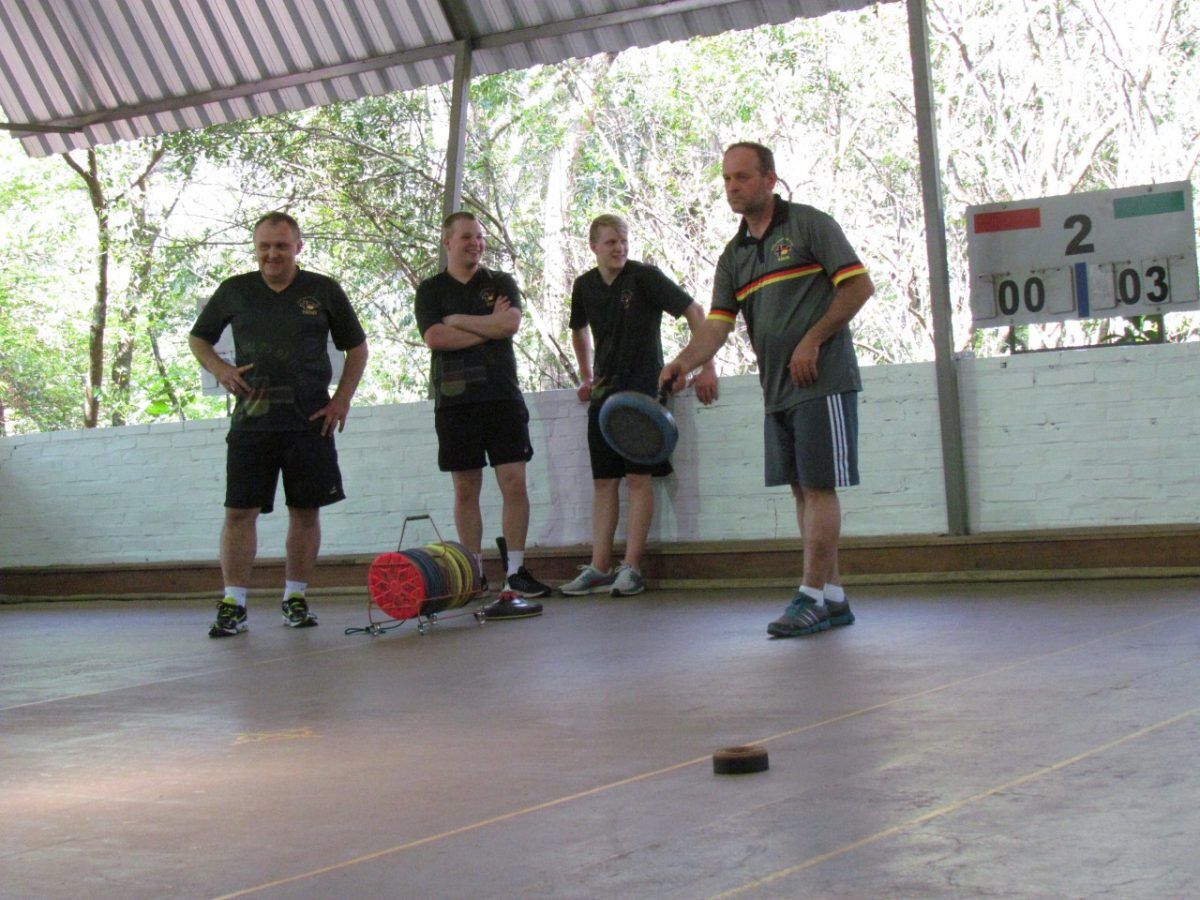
[1076,245]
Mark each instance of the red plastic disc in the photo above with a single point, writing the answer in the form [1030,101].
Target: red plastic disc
[396,585]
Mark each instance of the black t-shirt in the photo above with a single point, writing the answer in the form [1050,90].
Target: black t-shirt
[626,319]
[486,372]
[285,335]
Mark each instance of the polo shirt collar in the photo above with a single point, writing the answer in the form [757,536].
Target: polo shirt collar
[779,214]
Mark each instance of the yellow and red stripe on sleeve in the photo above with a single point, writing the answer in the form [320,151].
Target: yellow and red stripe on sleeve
[722,315]
[848,272]
[775,278]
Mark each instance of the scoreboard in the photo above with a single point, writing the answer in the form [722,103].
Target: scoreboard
[1124,252]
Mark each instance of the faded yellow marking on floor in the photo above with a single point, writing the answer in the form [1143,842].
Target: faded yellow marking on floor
[265,737]
[866,710]
[952,807]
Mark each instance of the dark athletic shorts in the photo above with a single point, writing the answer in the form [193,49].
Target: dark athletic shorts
[308,461]
[813,444]
[476,434]
[607,462]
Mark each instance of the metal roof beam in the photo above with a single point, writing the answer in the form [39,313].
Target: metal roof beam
[591,23]
[372,64]
[37,128]
[454,19]
[266,85]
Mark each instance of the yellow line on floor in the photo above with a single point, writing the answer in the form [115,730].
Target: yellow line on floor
[1104,638]
[474,826]
[951,807]
[550,804]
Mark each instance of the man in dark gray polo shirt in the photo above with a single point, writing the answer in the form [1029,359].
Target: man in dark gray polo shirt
[797,282]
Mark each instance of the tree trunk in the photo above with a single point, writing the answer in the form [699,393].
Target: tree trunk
[95,376]
[165,376]
[122,364]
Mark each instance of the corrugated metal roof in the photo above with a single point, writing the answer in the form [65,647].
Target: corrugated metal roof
[80,72]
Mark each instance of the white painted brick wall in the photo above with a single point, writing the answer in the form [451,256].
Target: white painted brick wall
[1063,439]
[1080,438]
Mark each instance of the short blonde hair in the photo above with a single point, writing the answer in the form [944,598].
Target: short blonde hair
[608,220]
[461,216]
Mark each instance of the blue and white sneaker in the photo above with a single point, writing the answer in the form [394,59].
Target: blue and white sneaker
[590,580]
[628,582]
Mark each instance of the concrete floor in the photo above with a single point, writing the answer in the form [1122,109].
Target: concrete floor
[1017,740]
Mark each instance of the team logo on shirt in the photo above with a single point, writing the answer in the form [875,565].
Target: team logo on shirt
[489,297]
[309,306]
[783,249]
[626,299]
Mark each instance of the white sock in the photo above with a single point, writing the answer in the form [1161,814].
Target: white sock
[818,595]
[516,559]
[835,593]
[478,560]
[294,587]
[236,594]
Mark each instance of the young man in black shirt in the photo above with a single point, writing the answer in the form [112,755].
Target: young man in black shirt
[467,315]
[622,302]
[282,318]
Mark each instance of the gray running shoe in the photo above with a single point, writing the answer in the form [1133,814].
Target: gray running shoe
[628,582]
[590,580]
[802,616]
[839,613]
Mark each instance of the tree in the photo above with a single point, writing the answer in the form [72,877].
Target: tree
[1033,97]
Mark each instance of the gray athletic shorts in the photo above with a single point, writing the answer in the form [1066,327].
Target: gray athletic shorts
[813,444]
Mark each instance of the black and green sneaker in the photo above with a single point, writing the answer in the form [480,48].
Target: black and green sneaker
[296,614]
[231,620]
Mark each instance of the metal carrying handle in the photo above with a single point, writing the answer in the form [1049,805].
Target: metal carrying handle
[417,518]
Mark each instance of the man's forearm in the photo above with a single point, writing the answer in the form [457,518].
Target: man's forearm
[694,315]
[706,340]
[850,297]
[352,371]
[205,353]
[447,337]
[582,345]
[495,326]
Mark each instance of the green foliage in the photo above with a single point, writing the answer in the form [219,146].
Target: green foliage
[1033,97]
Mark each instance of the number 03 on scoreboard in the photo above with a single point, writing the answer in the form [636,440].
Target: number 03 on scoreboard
[1124,252]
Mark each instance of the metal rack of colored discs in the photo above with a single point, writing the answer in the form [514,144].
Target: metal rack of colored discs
[421,583]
